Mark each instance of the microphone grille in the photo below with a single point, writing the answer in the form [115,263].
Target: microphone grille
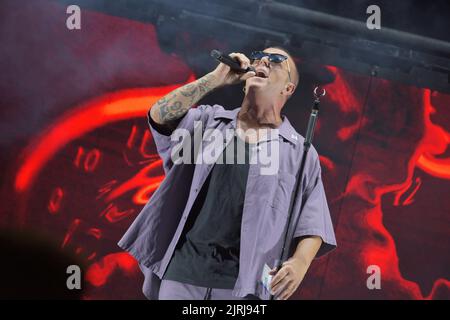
[216,54]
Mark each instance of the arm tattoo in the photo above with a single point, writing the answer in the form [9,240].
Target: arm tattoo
[177,103]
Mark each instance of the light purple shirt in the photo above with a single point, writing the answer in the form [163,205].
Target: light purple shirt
[153,235]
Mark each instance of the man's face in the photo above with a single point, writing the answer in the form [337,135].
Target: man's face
[271,77]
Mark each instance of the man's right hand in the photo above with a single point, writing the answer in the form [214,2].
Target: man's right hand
[226,76]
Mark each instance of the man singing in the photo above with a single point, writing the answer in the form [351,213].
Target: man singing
[210,228]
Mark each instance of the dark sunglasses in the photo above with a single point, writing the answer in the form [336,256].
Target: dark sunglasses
[273,57]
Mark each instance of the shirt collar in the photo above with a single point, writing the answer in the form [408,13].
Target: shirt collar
[286,130]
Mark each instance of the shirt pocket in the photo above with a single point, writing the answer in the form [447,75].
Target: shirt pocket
[283,192]
[273,224]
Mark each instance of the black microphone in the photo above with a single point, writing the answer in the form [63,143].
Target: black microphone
[233,64]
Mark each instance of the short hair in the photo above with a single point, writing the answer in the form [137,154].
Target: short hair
[295,76]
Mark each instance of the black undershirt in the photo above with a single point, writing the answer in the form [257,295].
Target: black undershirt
[207,253]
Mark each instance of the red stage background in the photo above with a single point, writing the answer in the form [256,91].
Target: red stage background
[80,163]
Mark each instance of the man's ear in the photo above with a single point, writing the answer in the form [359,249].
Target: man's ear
[289,88]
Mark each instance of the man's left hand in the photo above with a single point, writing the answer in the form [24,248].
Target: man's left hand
[288,278]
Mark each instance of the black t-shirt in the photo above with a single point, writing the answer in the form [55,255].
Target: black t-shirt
[207,253]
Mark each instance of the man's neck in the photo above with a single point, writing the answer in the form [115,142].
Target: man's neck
[259,114]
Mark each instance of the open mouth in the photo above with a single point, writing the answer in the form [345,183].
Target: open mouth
[261,74]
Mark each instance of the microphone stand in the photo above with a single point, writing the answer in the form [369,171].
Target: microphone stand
[308,139]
